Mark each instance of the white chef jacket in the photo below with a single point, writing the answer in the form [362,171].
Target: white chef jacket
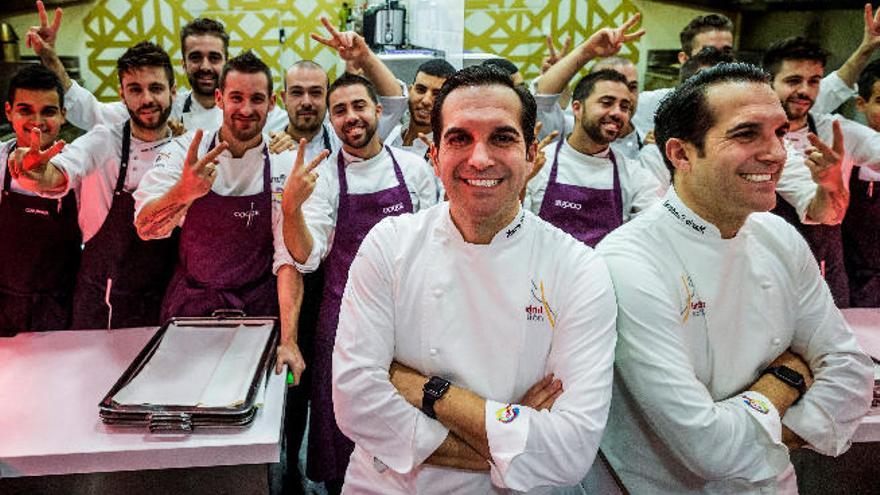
[638,189]
[833,92]
[493,319]
[235,177]
[363,177]
[91,164]
[5,147]
[395,140]
[554,118]
[795,184]
[699,319]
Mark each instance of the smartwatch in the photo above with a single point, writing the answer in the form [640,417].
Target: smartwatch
[433,391]
[789,377]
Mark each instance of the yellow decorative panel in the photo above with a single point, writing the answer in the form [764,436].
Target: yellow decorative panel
[114,25]
[516,29]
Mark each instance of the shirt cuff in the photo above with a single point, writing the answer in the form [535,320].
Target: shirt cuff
[507,429]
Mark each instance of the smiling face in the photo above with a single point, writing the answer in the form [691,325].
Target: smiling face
[354,116]
[482,157]
[306,98]
[797,86]
[246,101]
[871,107]
[147,96]
[203,59]
[736,172]
[605,112]
[422,93]
[32,108]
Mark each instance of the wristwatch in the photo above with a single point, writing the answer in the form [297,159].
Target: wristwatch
[789,377]
[433,391]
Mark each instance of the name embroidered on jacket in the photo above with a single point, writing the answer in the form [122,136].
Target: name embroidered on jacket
[695,224]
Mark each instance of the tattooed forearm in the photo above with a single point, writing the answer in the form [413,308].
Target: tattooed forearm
[158,222]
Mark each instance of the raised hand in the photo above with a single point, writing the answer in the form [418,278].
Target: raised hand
[199,173]
[29,164]
[608,41]
[553,55]
[45,32]
[351,46]
[302,180]
[871,37]
[825,163]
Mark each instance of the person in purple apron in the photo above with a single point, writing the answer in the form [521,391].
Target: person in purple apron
[40,245]
[327,215]
[588,191]
[122,279]
[230,243]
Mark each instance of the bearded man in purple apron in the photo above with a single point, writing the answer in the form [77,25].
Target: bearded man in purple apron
[328,212]
[40,245]
[586,189]
[222,182]
[122,278]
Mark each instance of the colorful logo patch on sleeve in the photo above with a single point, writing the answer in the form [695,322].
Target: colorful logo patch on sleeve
[756,404]
[507,413]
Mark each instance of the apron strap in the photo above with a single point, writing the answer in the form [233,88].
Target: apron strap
[7,177]
[123,164]
[397,171]
[326,138]
[811,124]
[187,103]
[553,167]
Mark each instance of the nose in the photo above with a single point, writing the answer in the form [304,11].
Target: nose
[428,100]
[481,156]
[775,153]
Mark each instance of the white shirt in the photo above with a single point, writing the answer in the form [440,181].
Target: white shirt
[235,177]
[5,148]
[795,184]
[833,92]
[699,319]
[362,176]
[91,164]
[638,189]
[478,316]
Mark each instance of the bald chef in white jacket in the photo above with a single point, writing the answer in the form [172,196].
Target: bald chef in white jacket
[731,352]
[512,320]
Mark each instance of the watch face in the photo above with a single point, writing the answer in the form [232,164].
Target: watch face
[436,387]
[789,375]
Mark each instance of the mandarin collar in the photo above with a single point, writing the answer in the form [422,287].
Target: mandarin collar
[509,234]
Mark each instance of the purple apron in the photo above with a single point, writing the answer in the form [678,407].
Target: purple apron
[39,255]
[826,243]
[585,213]
[225,257]
[139,269]
[329,449]
[861,236]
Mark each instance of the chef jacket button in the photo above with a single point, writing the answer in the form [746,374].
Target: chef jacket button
[776,341]
[438,292]
[432,351]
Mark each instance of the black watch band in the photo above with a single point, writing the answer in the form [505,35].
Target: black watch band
[433,391]
[789,377]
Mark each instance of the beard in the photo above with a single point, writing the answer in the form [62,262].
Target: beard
[244,134]
[202,88]
[414,116]
[363,140]
[794,111]
[306,124]
[158,124]
[594,130]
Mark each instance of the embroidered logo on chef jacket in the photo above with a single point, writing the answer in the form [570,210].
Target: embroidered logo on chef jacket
[250,214]
[756,404]
[516,228]
[692,304]
[507,413]
[693,223]
[540,309]
[279,179]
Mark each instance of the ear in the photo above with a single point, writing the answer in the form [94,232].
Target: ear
[173,91]
[121,98]
[860,104]
[576,107]
[378,110]
[532,151]
[433,153]
[8,108]
[271,102]
[682,57]
[218,98]
[679,153]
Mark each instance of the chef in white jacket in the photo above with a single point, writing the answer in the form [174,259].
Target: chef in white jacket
[510,318]
[730,352]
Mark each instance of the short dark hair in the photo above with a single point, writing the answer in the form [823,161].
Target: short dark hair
[867,78]
[502,64]
[685,114]
[793,48]
[709,56]
[35,77]
[304,64]
[145,54]
[202,26]
[701,24]
[247,63]
[479,76]
[349,79]
[584,88]
[436,67]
